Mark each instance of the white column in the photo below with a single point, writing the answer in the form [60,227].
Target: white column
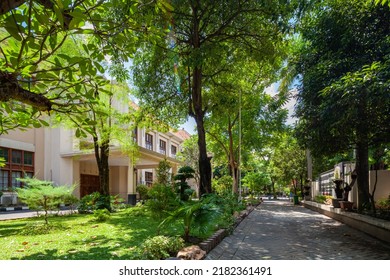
[169,143]
[130,178]
[156,148]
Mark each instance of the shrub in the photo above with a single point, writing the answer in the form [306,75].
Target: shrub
[138,210]
[184,173]
[143,191]
[117,202]
[42,195]
[383,203]
[223,185]
[94,201]
[161,199]
[162,172]
[324,199]
[161,247]
[71,201]
[101,215]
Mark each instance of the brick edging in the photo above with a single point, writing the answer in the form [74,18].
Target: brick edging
[210,243]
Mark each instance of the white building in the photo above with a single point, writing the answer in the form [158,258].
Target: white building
[54,154]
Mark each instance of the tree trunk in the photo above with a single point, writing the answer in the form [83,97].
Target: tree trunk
[101,155]
[204,160]
[198,112]
[362,165]
[232,160]
[362,170]
[273,188]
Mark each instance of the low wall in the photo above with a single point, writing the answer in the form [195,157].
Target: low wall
[375,227]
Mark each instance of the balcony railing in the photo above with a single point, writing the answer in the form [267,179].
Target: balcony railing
[149,146]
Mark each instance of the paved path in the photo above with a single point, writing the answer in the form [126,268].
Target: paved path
[12,215]
[278,230]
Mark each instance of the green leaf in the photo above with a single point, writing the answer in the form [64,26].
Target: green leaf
[64,56]
[53,41]
[85,47]
[36,124]
[99,67]
[44,123]
[13,31]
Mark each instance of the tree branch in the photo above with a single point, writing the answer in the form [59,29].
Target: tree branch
[11,90]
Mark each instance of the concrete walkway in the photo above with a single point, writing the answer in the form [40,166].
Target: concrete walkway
[19,214]
[279,230]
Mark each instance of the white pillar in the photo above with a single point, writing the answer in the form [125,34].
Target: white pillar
[130,178]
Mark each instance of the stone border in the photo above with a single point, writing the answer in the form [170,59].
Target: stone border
[210,243]
[377,228]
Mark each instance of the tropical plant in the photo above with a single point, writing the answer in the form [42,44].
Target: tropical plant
[195,215]
[92,202]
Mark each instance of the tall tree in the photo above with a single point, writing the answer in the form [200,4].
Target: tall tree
[244,117]
[343,103]
[36,75]
[288,162]
[206,39]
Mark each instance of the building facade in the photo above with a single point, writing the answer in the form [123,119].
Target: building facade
[55,154]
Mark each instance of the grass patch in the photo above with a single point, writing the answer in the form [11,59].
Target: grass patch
[81,237]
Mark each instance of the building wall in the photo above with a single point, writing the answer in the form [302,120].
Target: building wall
[57,157]
[118,181]
[29,140]
[382,188]
[58,169]
[383,184]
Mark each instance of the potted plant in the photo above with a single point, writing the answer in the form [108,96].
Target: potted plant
[307,189]
[344,203]
[338,188]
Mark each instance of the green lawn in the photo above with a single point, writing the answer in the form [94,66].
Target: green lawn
[80,237]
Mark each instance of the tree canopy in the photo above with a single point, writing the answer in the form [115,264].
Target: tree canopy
[343,101]
[41,71]
[208,39]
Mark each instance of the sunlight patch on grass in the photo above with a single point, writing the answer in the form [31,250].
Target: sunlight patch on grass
[79,237]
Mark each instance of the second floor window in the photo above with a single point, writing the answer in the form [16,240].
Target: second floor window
[149,141]
[135,135]
[173,151]
[163,147]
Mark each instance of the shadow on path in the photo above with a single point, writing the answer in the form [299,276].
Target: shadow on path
[283,231]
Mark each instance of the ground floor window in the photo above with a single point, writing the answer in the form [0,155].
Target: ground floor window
[148,178]
[16,164]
